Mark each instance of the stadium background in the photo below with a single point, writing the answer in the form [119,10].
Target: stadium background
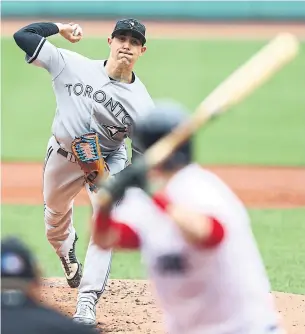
[258,147]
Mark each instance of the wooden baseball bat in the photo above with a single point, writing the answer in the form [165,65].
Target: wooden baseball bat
[234,89]
[242,82]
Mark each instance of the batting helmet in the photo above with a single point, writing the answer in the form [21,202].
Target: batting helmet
[160,121]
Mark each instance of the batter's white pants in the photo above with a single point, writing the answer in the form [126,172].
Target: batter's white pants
[62,181]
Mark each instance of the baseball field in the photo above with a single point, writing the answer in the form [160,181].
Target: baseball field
[258,148]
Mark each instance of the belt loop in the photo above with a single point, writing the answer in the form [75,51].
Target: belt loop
[71,157]
[68,155]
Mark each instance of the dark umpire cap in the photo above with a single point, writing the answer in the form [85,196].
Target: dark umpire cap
[136,28]
[18,266]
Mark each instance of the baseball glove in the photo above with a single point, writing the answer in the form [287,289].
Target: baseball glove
[87,152]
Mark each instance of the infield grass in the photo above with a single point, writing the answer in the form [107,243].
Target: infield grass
[279,233]
[268,128]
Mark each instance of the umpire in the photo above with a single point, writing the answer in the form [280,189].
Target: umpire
[21,310]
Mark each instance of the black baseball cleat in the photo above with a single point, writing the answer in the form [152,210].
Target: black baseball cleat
[72,267]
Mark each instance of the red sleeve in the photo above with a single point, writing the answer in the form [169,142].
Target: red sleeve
[161,201]
[128,238]
[216,235]
[217,230]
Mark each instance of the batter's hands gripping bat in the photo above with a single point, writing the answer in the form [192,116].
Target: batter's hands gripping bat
[242,82]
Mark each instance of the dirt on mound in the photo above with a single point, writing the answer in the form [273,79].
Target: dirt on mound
[128,306]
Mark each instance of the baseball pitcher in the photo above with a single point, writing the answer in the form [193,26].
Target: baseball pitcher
[98,103]
[195,238]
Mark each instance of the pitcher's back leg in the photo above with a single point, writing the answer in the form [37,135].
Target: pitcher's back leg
[62,181]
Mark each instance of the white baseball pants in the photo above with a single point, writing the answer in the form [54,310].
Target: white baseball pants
[62,181]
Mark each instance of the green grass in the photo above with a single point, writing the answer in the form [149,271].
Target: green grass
[27,223]
[280,236]
[279,233]
[268,128]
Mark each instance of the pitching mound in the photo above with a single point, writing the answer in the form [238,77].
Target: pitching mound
[127,306]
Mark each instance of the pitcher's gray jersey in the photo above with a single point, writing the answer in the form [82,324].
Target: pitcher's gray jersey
[88,100]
